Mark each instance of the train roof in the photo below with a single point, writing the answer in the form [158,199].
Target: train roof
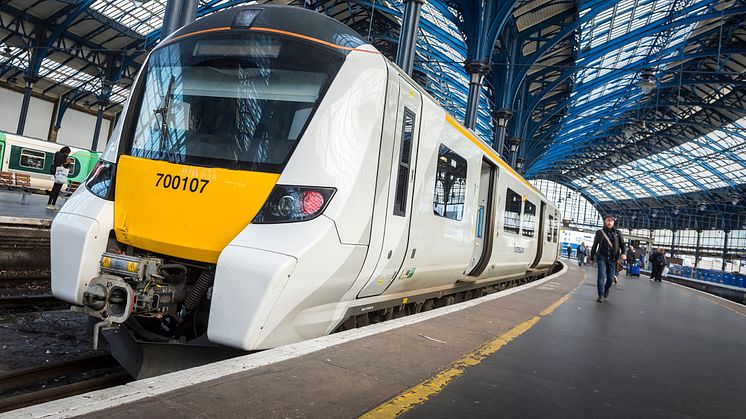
[295,20]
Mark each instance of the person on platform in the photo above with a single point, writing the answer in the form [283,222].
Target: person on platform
[61,159]
[581,253]
[608,247]
[631,259]
[658,260]
[569,250]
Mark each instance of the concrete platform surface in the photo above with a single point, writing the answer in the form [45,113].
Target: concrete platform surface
[34,207]
[653,350]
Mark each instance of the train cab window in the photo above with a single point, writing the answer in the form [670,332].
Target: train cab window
[450,185]
[239,101]
[529,219]
[402,179]
[513,204]
[31,159]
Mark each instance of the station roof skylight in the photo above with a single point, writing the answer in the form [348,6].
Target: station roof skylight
[712,161]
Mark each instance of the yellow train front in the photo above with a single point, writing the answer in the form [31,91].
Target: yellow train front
[273,179]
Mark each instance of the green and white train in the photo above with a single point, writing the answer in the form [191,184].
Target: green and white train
[34,157]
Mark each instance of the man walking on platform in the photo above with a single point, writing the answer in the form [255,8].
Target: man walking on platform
[608,247]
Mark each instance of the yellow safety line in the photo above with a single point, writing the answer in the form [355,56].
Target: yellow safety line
[486,150]
[427,389]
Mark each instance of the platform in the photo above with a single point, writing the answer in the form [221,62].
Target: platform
[34,206]
[652,350]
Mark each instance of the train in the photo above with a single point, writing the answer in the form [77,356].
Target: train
[34,157]
[274,178]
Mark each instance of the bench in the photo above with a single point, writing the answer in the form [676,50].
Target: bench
[17,182]
[71,188]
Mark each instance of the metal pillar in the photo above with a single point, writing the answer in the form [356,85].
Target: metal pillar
[171,18]
[188,12]
[502,116]
[477,70]
[97,130]
[408,35]
[725,248]
[673,241]
[697,250]
[25,104]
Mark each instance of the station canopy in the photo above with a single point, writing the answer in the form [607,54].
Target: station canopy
[637,104]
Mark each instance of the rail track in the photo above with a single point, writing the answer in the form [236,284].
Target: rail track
[31,303]
[42,384]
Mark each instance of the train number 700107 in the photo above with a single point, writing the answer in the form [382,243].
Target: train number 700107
[184,183]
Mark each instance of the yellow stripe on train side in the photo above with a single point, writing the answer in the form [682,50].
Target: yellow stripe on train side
[185,211]
[486,150]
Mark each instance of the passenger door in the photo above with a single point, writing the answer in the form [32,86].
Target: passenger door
[400,191]
[541,236]
[484,229]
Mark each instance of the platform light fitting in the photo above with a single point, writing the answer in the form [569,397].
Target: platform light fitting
[734,201]
[647,81]
[702,206]
[675,211]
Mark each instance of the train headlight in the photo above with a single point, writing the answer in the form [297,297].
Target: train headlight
[285,206]
[288,204]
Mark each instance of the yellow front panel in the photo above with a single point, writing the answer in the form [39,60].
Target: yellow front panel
[193,217]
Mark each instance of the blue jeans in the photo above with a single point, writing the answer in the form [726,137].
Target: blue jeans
[606,273]
[581,259]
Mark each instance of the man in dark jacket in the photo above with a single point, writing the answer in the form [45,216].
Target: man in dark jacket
[608,246]
[60,160]
[658,260]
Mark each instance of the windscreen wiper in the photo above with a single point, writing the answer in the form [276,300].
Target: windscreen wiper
[163,111]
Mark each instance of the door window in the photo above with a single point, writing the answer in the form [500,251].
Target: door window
[402,180]
[450,185]
[513,204]
[529,219]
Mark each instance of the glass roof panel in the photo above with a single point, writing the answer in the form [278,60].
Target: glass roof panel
[715,160]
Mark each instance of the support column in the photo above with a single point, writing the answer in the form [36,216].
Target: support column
[725,248]
[697,252]
[408,35]
[514,144]
[188,12]
[502,116]
[97,130]
[673,242]
[25,104]
[171,18]
[477,70]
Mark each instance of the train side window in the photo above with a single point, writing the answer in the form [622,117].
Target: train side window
[512,222]
[33,159]
[450,185]
[402,180]
[550,229]
[529,219]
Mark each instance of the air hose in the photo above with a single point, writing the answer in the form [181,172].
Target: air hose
[199,290]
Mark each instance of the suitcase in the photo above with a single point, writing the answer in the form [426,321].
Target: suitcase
[634,270]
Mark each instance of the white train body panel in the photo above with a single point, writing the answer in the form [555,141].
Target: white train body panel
[280,283]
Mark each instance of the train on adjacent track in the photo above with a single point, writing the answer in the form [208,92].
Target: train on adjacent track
[274,178]
[34,157]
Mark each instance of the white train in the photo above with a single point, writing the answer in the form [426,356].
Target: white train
[276,179]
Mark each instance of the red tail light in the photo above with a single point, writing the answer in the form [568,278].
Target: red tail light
[311,202]
[294,203]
